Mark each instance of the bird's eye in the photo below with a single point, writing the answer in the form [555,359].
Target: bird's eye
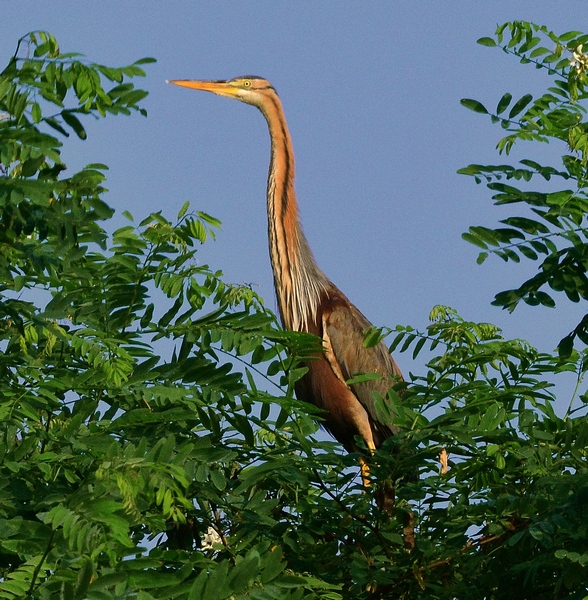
[247,83]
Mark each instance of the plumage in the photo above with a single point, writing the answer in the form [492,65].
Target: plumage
[307,300]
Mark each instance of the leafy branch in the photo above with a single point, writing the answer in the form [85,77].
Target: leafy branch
[557,114]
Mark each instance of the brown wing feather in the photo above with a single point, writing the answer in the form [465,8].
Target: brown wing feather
[349,410]
[344,417]
[343,328]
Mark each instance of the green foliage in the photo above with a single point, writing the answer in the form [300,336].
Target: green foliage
[553,231]
[126,431]
[150,444]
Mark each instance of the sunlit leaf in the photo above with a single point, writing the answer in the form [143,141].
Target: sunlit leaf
[486,41]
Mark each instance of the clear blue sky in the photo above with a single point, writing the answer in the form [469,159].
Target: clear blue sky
[371,92]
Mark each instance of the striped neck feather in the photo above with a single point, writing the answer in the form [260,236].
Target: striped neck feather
[298,281]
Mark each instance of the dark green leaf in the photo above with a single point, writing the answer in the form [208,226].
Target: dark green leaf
[473,105]
[565,347]
[520,105]
[70,118]
[503,103]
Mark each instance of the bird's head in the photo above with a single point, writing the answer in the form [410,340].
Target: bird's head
[249,88]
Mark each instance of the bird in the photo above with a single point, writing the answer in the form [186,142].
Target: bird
[310,302]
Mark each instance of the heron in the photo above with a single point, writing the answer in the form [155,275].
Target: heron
[310,302]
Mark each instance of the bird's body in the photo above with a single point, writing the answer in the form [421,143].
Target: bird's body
[307,300]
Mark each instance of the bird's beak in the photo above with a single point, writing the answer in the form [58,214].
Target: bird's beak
[222,88]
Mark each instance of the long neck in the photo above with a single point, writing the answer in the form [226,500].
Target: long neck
[297,279]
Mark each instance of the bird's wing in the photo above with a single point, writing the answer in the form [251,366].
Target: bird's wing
[343,334]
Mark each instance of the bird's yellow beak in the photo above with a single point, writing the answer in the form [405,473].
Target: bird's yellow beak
[222,88]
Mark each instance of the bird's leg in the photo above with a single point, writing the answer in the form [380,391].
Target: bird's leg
[365,472]
[385,494]
[363,462]
[443,461]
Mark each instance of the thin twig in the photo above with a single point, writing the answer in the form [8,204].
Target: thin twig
[38,567]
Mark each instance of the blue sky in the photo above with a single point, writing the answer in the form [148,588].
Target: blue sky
[371,92]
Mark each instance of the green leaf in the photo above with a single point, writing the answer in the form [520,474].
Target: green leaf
[84,579]
[245,572]
[70,118]
[491,418]
[418,347]
[217,586]
[569,35]
[145,61]
[486,41]
[36,112]
[472,238]
[545,299]
[503,103]
[184,209]
[218,479]
[539,52]
[520,105]
[528,252]
[372,337]
[31,166]
[272,565]
[565,347]
[474,105]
